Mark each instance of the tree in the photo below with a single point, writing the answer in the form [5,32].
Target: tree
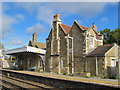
[116,35]
[111,37]
[107,36]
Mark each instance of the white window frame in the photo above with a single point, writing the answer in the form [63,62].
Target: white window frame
[63,63]
[114,62]
[91,41]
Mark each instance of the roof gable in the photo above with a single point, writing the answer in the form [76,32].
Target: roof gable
[97,36]
[84,27]
[67,28]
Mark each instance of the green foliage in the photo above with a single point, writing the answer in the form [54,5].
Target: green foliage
[116,35]
[106,77]
[87,76]
[38,69]
[57,73]
[110,77]
[113,77]
[64,73]
[70,74]
[111,37]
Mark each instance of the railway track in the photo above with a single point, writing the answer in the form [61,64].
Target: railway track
[16,84]
[25,80]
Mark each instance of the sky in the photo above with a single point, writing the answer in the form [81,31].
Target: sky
[21,19]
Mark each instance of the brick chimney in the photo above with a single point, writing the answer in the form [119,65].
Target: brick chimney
[34,37]
[57,17]
[55,25]
[94,26]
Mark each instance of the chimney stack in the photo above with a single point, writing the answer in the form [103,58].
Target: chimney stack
[34,37]
[57,17]
[94,26]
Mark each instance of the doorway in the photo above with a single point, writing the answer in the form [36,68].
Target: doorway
[113,67]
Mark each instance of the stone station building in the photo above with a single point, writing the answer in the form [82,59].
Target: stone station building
[68,48]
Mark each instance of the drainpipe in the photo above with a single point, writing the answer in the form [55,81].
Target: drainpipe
[96,59]
[72,55]
[72,58]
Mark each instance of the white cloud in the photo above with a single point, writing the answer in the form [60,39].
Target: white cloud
[20,17]
[37,28]
[28,6]
[104,19]
[87,9]
[45,14]
[15,41]
[8,22]
[45,11]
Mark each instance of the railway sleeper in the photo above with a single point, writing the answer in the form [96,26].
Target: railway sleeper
[18,85]
[38,85]
[6,86]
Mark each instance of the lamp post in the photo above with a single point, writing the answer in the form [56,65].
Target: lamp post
[72,55]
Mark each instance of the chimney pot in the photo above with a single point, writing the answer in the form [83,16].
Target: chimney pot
[94,26]
[57,16]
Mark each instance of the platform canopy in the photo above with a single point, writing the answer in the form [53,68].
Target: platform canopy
[25,49]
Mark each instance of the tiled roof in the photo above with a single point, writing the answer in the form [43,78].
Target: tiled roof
[84,27]
[37,44]
[67,27]
[100,50]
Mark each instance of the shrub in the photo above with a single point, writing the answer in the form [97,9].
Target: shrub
[113,77]
[64,73]
[39,70]
[87,76]
[106,77]
[110,77]
[70,74]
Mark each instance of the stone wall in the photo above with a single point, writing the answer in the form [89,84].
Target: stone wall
[59,48]
[91,66]
[112,54]
[91,33]
[48,52]
[63,52]
[79,45]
